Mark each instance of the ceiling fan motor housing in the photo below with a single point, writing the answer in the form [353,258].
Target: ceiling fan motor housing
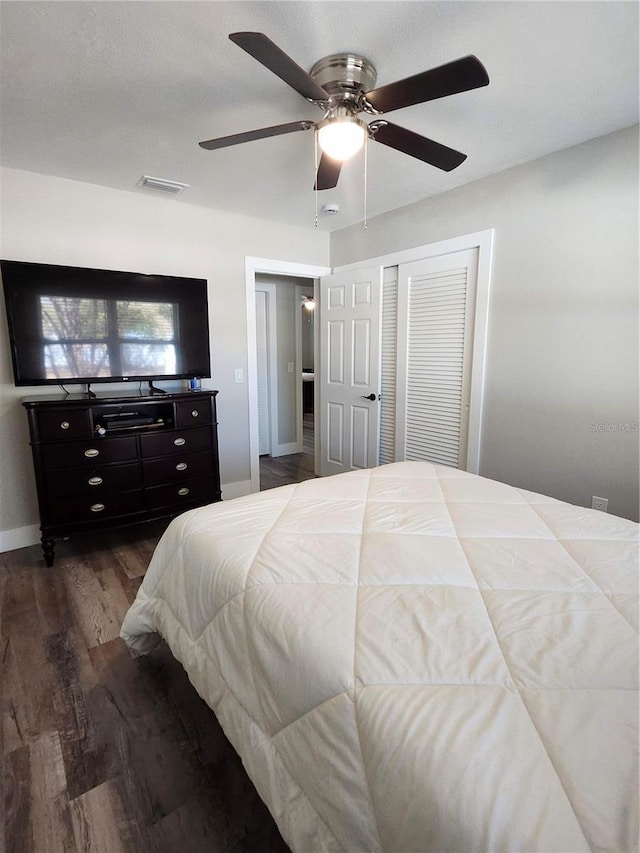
[345,76]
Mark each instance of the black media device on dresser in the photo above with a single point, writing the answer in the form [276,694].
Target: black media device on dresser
[121,459]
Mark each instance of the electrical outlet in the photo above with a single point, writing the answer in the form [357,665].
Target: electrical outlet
[599,503]
[239,375]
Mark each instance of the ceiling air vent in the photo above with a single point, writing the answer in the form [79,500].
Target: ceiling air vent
[173,187]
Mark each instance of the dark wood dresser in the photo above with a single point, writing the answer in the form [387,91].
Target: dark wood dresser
[117,460]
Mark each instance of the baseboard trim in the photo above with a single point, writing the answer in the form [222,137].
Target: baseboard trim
[19,537]
[286,449]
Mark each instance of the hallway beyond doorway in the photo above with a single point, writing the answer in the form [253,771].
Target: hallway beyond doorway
[293,468]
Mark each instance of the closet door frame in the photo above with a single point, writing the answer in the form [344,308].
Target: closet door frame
[483,241]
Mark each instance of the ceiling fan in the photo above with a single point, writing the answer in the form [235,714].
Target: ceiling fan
[342,85]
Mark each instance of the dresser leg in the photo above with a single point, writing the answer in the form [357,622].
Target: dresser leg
[48,546]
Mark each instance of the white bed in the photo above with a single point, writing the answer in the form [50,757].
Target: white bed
[413,658]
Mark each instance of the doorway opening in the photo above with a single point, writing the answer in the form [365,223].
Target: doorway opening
[282,470]
[254,267]
[285,360]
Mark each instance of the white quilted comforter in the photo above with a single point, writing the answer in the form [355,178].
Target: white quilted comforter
[413,658]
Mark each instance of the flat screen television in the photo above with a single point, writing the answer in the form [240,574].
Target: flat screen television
[76,325]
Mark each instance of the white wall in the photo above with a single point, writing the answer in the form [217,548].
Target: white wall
[561,405]
[50,220]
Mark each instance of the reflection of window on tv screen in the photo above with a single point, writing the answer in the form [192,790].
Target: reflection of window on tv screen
[83,337]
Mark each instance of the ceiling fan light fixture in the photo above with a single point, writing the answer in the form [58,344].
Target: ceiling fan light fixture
[340,138]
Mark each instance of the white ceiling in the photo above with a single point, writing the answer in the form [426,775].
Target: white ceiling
[105,92]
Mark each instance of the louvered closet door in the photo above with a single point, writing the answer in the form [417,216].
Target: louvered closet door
[436,302]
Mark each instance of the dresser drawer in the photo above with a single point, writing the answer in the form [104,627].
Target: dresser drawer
[175,441]
[75,454]
[64,424]
[100,480]
[91,508]
[181,467]
[190,413]
[201,489]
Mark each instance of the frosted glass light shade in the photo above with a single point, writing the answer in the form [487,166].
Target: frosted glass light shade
[341,138]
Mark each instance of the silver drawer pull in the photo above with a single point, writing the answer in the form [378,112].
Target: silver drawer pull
[183,491]
[179,441]
[181,466]
[95,481]
[91,452]
[65,425]
[195,413]
[97,507]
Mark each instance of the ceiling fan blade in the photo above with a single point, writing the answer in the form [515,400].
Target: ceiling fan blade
[461,75]
[415,145]
[261,133]
[328,173]
[276,60]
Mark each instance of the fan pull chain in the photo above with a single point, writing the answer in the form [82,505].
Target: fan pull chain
[366,149]
[315,180]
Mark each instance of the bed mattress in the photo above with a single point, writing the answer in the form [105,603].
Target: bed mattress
[413,658]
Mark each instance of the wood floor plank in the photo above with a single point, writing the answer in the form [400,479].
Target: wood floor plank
[99,824]
[84,716]
[126,679]
[16,783]
[137,691]
[193,828]
[201,726]
[27,682]
[52,601]
[98,602]
[154,774]
[111,580]
[128,584]
[35,797]
[50,820]
[134,557]
[133,759]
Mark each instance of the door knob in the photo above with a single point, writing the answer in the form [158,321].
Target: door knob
[371,397]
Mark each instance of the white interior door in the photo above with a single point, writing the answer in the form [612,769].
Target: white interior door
[350,304]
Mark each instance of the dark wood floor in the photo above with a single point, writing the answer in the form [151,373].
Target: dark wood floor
[103,753]
[293,468]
